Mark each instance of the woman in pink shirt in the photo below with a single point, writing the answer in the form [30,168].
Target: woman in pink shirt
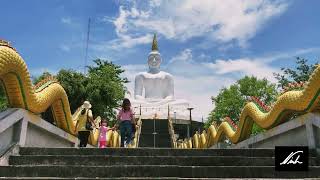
[103,134]
[125,118]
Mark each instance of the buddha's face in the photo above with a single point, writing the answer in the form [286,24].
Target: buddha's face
[154,60]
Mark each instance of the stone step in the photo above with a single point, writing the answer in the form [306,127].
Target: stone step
[145,160]
[149,125]
[158,132]
[138,178]
[151,152]
[161,140]
[163,131]
[156,171]
[77,178]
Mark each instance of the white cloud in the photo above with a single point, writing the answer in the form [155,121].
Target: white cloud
[185,55]
[122,26]
[66,20]
[290,54]
[65,47]
[257,66]
[198,91]
[135,68]
[126,41]
[155,3]
[244,66]
[184,64]
[225,21]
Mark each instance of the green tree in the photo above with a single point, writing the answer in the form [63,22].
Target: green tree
[103,86]
[230,101]
[227,103]
[75,84]
[300,73]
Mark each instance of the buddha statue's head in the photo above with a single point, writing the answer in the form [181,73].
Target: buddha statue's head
[154,58]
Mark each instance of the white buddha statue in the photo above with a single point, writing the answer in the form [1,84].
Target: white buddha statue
[158,86]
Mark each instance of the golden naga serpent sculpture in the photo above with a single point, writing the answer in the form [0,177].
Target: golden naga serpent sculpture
[21,93]
[286,105]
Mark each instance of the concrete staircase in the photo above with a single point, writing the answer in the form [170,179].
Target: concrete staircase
[147,163]
[162,137]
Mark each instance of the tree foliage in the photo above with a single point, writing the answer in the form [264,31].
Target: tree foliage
[103,86]
[230,101]
[74,83]
[300,73]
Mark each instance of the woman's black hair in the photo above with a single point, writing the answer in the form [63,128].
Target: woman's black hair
[125,102]
[83,111]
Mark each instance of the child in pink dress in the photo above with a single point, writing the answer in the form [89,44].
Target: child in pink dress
[103,134]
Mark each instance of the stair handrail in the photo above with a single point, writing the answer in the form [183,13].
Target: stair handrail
[138,132]
[170,128]
[172,134]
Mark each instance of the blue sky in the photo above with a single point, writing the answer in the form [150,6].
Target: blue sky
[205,44]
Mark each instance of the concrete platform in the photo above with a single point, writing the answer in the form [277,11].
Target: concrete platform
[21,128]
